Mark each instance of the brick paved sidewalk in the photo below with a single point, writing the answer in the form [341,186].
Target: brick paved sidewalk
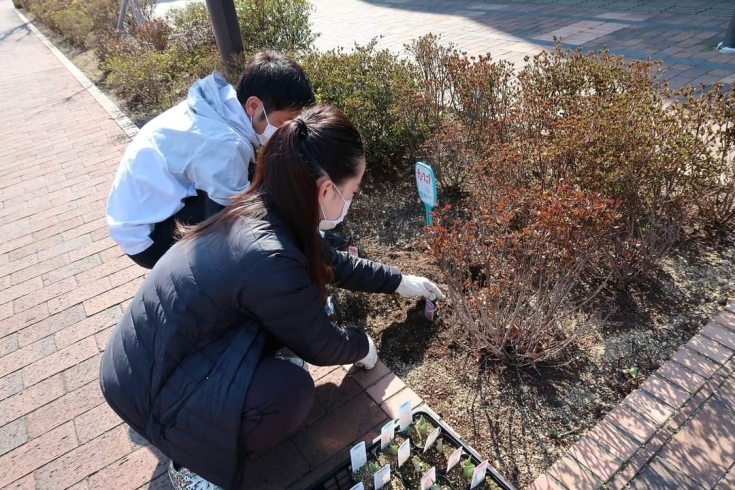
[676,431]
[64,283]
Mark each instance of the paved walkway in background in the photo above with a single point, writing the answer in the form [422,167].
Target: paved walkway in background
[64,284]
[683,34]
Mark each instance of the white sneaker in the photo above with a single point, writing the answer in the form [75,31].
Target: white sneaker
[184,479]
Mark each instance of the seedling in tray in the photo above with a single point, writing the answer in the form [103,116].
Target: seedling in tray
[367,474]
[422,426]
[419,431]
[438,454]
[441,484]
[413,470]
[431,457]
[461,476]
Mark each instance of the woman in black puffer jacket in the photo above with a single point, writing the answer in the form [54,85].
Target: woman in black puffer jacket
[190,366]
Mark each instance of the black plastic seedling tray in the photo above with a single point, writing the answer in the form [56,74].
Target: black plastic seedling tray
[340,477]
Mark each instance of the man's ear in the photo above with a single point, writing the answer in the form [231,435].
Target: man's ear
[251,106]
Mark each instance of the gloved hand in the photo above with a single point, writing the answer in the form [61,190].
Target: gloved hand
[412,286]
[369,361]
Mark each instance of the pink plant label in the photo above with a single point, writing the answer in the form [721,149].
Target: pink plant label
[432,438]
[428,479]
[454,459]
[353,251]
[479,475]
[404,415]
[429,310]
[404,452]
[382,477]
[387,433]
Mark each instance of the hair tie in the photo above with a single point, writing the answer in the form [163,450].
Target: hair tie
[302,128]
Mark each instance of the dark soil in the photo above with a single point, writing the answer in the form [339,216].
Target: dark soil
[523,420]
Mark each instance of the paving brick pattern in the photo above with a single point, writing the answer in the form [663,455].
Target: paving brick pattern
[675,431]
[682,34]
[64,283]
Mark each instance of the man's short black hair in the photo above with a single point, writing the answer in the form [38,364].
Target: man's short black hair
[277,80]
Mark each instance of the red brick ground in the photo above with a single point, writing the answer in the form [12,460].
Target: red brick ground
[64,283]
[675,431]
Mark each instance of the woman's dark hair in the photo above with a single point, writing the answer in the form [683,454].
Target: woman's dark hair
[321,141]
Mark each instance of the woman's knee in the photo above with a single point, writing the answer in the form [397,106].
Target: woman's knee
[299,392]
[278,402]
[282,388]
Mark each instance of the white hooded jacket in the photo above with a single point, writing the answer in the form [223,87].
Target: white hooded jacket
[206,142]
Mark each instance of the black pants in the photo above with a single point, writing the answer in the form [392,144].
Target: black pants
[196,209]
[279,399]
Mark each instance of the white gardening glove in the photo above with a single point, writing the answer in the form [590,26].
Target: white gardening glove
[412,286]
[369,361]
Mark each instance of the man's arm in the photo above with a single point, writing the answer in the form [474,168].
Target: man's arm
[221,170]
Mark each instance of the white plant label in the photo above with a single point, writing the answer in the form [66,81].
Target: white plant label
[382,477]
[479,475]
[359,486]
[454,459]
[432,438]
[428,479]
[426,184]
[358,456]
[404,415]
[404,452]
[387,433]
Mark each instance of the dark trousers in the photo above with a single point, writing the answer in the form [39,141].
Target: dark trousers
[279,399]
[196,209]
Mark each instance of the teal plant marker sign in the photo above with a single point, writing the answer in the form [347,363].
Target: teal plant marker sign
[426,185]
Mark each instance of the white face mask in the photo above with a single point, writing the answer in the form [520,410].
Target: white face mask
[267,133]
[328,224]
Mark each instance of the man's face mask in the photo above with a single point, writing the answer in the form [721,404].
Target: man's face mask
[328,224]
[267,132]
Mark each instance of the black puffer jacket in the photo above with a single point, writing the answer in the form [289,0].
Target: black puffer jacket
[178,365]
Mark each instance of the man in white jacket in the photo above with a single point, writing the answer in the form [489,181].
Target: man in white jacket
[185,164]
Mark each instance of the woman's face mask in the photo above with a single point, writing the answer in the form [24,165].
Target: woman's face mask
[328,224]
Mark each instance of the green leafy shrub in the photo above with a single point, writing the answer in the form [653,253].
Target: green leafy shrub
[74,25]
[368,85]
[281,25]
[83,22]
[152,67]
[144,78]
[192,27]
